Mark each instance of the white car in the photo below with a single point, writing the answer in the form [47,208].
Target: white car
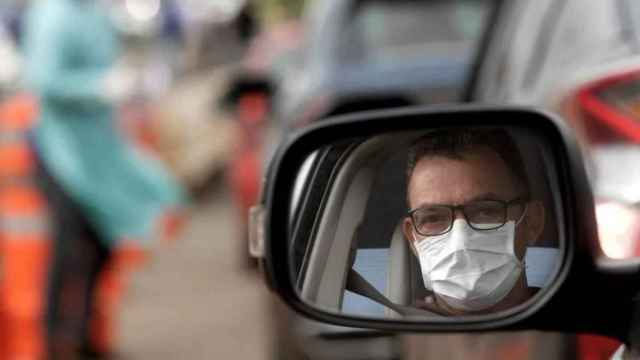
[580,59]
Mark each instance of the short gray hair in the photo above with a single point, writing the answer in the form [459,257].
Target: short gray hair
[454,142]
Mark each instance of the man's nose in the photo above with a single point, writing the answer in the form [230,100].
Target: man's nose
[458,233]
[458,214]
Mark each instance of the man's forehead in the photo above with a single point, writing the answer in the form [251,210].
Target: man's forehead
[446,180]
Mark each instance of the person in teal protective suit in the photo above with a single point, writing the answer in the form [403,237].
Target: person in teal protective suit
[100,189]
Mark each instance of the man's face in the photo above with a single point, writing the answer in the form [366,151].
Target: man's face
[480,174]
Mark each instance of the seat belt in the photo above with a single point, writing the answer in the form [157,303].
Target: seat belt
[359,285]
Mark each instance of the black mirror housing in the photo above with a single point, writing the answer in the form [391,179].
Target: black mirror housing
[589,294]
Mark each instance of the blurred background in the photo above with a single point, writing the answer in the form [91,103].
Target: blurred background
[198,95]
[195,295]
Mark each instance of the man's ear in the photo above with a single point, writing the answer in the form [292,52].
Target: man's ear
[535,221]
[407,229]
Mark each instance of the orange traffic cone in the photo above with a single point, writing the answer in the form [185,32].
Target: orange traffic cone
[24,236]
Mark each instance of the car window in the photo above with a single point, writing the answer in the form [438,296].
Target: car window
[384,209]
[312,179]
[384,30]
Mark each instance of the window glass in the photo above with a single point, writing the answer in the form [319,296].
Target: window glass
[383,30]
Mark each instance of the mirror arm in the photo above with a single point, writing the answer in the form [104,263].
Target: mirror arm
[257,215]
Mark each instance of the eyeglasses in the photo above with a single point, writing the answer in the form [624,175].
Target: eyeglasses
[480,215]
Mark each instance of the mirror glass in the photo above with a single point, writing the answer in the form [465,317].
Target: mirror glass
[441,223]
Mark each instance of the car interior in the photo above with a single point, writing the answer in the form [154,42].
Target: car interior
[357,261]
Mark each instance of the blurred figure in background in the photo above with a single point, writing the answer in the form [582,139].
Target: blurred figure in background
[102,193]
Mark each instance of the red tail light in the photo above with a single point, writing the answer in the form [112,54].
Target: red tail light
[610,108]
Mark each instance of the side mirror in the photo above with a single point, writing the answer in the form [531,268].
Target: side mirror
[467,218]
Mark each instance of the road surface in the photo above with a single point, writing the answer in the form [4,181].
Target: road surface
[195,300]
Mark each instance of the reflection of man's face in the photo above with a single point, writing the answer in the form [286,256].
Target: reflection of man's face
[480,174]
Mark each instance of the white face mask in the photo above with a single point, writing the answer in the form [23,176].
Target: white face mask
[469,269]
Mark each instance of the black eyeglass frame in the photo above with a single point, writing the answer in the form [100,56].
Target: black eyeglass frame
[453,208]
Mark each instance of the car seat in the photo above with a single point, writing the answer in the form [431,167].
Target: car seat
[404,280]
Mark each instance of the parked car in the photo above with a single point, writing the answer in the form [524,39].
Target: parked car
[370,54]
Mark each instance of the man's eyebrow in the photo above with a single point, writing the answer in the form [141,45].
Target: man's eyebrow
[479,197]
